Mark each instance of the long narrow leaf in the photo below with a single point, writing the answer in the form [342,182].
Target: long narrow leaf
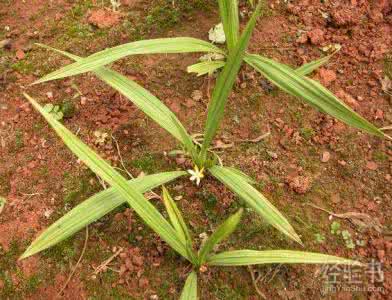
[205,67]
[308,68]
[107,56]
[224,84]
[143,99]
[175,217]
[3,201]
[221,233]
[254,257]
[135,199]
[93,209]
[190,289]
[255,200]
[228,10]
[311,91]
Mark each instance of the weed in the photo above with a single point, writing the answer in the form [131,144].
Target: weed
[203,156]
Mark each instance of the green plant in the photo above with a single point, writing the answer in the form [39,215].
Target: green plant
[2,203]
[320,238]
[175,231]
[347,239]
[65,110]
[205,160]
[335,228]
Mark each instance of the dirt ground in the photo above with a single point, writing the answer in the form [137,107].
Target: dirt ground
[309,161]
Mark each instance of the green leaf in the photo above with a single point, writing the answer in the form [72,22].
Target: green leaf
[190,289]
[143,99]
[253,257]
[175,217]
[135,199]
[221,233]
[311,91]
[245,177]
[107,56]
[255,200]
[228,10]
[205,67]
[308,68]
[93,209]
[224,85]
[3,201]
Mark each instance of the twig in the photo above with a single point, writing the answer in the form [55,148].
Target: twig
[121,159]
[255,280]
[255,140]
[359,219]
[76,266]
[386,128]
[103,266]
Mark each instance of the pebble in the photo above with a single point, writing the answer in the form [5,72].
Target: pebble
[325,157]
[371,165]
[20,54]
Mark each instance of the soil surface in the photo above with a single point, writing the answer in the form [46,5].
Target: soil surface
[309,161]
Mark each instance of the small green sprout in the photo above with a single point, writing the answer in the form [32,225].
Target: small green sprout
[335,228]
[320,238]
[348,240]
[54,110]
[2,204]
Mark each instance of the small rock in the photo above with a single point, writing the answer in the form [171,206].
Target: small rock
[138,260]
[143,282]
[103,18]
[20,54]
[342,163]
[379,114]
[316,36]
[154,297]
[197,95]
[327,76]
[49,95]
[272,154]
[325,157]
[371,165]
[300,184]
[83,100]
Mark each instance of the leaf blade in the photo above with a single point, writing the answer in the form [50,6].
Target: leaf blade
[228,10]
[175,216]
[141,97]
[311,91]
[135,199]
[239,185]
[309,67]
[221,233]
[254,257]
[97,206]
[205,67]
[107,56]
[224,84]
[189,291]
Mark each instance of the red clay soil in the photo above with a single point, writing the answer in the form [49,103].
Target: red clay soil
[353,170]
